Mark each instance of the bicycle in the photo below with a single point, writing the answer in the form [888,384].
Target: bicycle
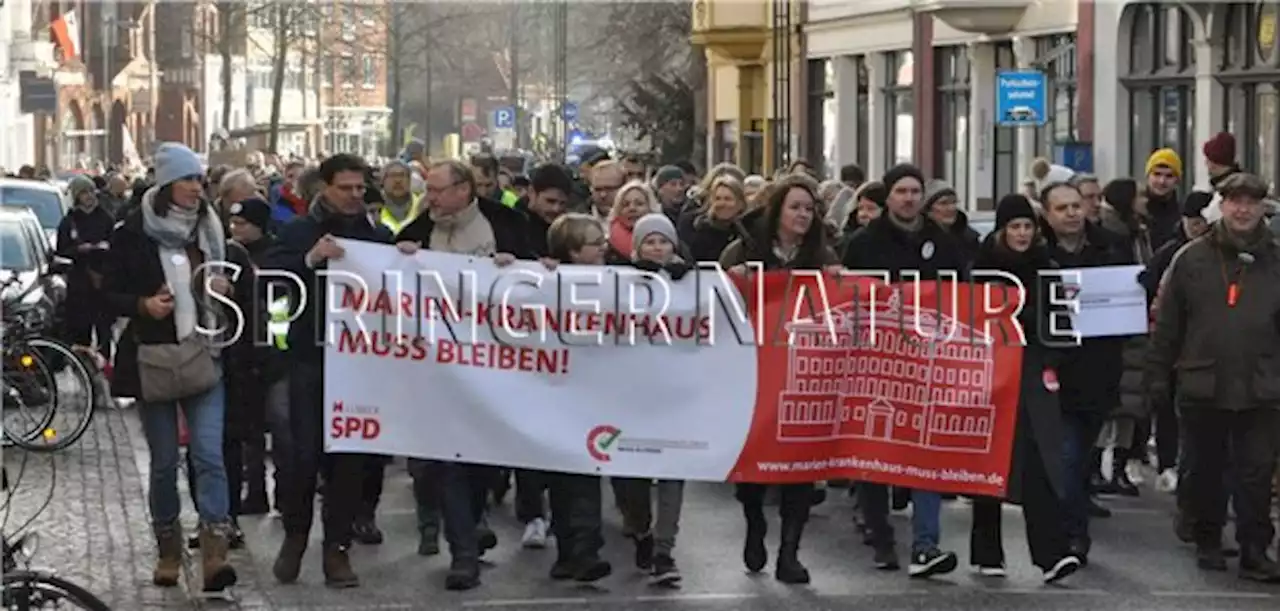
[32,362]
[26,589]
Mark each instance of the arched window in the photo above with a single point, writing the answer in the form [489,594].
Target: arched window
[900,107]
[1250,76]
[1160,79]
[951,140]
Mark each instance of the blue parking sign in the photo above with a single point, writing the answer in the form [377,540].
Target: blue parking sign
[504,117]
[1021,98]
[570,112]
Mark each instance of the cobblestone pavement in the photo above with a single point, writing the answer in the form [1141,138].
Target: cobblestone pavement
[95,532]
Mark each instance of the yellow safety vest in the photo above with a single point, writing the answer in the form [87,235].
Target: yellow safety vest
[394,225]
[278,325]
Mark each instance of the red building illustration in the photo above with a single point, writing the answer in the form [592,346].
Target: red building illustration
[924,379]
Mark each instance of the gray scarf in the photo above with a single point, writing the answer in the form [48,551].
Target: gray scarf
[173,233]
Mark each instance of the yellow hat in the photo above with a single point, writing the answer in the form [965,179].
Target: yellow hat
[1167,158]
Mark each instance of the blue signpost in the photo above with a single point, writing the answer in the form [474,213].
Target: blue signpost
[1021,98]
[504,117]
[569,112]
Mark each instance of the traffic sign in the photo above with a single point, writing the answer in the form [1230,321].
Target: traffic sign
[569,112]
[1075,155]
[504,117]
[1021,98]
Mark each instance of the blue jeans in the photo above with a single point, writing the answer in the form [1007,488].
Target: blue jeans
[204,413]
[1080,431]
[926,520]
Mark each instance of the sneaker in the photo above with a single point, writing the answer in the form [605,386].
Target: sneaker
[535,534]
[1168,481]
[1063,569]
[886,558]
[644,551]
[1133,469]
[930,562]
[990,570]
[664,572]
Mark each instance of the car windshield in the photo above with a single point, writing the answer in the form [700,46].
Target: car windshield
[15,254]
[46,204]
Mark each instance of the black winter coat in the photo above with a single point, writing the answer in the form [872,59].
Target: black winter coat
[882,245]
[131,273]
[1039,409]
[296,238]
[80,227]
[705,239]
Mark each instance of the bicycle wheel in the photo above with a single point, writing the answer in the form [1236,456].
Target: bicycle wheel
[30,397]
[75,397]
[34,590]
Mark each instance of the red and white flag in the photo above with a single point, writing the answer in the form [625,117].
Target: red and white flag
[66,32]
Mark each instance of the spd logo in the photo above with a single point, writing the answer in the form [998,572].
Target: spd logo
[354,422]
[601,440]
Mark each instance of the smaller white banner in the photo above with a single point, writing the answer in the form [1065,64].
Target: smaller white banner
[1112,301]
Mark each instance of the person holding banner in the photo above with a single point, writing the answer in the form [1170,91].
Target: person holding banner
[789,234]
[460,221]
[1215,338]
[304,246]
[1089,376]
[904,239]
[1016,248]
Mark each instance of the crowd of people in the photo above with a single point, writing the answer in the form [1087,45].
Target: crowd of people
[1201,382]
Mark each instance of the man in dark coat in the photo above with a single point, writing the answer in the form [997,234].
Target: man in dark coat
[903,239]
[1215,338]
[305,245]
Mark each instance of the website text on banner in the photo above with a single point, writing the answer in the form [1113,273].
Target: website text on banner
[773,378]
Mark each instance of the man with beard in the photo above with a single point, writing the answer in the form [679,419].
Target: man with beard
[548,198]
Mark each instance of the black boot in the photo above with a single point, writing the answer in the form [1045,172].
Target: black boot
[789,569]
[464,574]
[754,553]
[1256,566]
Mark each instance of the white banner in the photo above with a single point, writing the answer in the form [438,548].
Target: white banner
[1112,301]
[642,378]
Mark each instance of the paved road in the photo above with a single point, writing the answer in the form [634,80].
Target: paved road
[97,533]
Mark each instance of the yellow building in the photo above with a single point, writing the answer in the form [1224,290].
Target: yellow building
[754,49]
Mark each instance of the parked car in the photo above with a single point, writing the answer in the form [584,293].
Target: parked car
[29,269]
[46,200]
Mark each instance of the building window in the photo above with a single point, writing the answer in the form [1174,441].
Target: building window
[349,74]
[1064,112]
[726,142]
[370,71]
[1250,76]
[1007,175]
[821,99]
[1160,79]
[952,138]
[899,107]
[326,70]
[753,141]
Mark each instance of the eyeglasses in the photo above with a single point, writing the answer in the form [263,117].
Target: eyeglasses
[351,188]
[605,188]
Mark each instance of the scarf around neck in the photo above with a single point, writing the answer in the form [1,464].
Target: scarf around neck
[620,236]
[465,232]
[173,234]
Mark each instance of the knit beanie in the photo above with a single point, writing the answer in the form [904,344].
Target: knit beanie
[254,210]
[899,172]
[666,174]
[174,162]
[80,184]
[1195,203]
[1044,174]
[1167,158]
[936,190]
[1220,149]
[1014,206]
[650,224]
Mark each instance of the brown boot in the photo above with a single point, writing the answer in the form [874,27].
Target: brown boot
[289,560]
[337,568]
[169,564]
[215,571]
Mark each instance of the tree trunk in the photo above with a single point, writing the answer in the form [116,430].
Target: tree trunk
[395,46]
[277,75]
[698,82]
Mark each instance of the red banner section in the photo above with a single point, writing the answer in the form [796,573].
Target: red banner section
[914,384]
